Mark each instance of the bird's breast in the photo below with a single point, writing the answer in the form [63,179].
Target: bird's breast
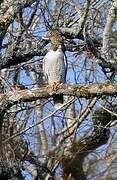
[54,55]
[55,66]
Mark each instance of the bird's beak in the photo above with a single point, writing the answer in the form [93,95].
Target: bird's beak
[60,46]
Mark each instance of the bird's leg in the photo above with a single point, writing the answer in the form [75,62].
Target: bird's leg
[55,85]
[51,85]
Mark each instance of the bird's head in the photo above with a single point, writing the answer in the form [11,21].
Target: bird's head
[56,40]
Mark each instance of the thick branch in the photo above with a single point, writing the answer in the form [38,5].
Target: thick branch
[7,18]
[79,91]
[108,31]
[19,58]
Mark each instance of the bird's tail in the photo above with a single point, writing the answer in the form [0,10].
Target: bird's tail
[58,101]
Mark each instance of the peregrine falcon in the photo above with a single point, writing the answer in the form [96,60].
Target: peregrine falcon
[55,66]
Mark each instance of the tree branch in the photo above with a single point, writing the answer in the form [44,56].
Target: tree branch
[80,149]
[8,17]
[76,33]
[87,91]
[108,30]
[19,56]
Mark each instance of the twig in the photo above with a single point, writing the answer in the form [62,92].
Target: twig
[35,124]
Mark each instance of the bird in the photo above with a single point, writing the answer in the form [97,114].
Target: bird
[55,66]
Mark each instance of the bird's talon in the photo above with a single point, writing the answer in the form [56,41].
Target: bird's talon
[55,86]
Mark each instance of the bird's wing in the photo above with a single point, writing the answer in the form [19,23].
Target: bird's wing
[45,69]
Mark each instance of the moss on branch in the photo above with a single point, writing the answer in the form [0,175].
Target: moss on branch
[88,91]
